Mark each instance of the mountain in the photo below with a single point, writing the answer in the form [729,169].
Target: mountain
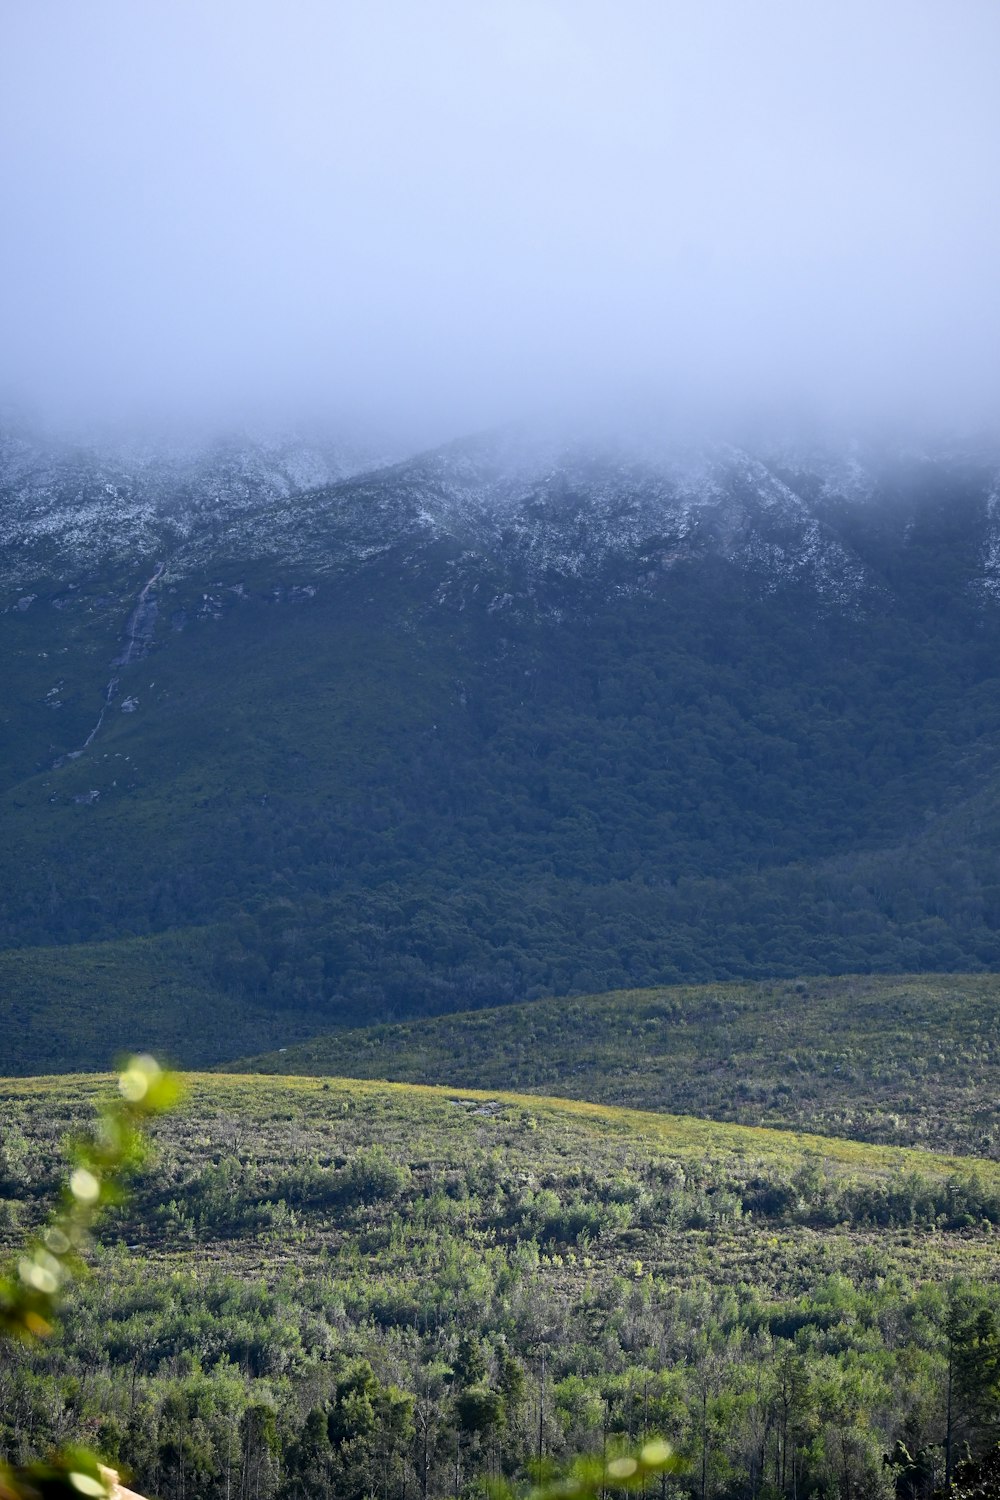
[526,715]
[539,503]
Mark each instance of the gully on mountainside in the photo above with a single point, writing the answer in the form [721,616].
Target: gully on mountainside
[138,633]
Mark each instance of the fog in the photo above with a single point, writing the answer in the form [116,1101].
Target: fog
[440,215]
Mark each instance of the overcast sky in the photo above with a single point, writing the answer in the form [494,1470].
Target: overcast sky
[448,212]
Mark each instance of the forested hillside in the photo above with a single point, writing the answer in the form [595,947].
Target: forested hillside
[459,740]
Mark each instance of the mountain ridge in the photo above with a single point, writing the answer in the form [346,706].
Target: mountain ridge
[901,1060]
[557,503]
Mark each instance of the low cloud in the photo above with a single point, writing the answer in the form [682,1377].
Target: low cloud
[445,215]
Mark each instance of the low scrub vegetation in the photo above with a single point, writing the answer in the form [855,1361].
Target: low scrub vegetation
[320,1287]
[903,1060]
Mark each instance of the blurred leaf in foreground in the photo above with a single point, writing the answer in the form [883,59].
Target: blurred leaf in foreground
[100,1162]
[591,1477]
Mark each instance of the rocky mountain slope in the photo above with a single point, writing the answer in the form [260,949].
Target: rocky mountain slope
[67,508]
[541,503]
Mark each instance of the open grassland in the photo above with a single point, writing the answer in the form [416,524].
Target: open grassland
[901,1060]
[415,1281]
[263,1171]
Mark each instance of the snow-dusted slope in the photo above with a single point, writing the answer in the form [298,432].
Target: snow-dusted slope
[69,508]
[569,509]
[532,504]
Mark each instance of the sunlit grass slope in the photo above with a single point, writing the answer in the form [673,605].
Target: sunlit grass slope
[268,1171]
[900,1060]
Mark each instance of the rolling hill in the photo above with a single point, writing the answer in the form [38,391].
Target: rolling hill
[902,1060]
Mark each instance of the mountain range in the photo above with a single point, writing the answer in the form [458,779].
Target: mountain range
[297,737]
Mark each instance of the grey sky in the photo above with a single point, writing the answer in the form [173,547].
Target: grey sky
[449,212]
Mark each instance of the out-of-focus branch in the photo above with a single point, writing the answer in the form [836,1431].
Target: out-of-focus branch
[29,1297]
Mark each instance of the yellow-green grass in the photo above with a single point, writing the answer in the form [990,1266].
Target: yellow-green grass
[267,1127]
[215,1263]
[680,1136]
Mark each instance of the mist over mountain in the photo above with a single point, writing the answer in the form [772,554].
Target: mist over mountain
[442,219]
[633,478]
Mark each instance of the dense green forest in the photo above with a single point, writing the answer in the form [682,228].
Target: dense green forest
[378,792]
[322,1287]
